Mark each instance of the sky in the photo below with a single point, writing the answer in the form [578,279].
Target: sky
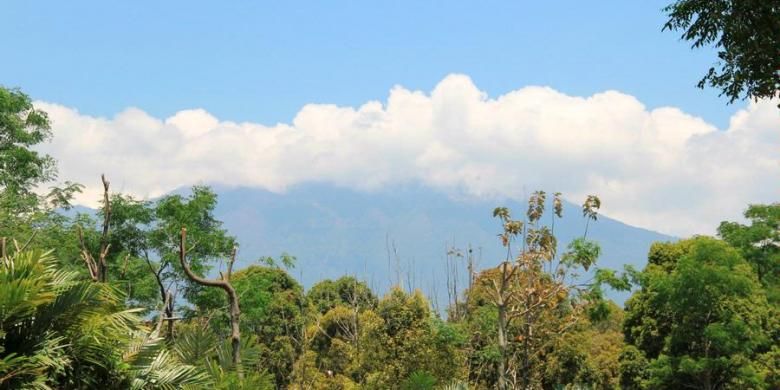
[483,99]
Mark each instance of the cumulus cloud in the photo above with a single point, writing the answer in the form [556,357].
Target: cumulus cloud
[662,169]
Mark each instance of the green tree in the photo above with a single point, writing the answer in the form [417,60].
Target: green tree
[336,344]
[407,340]
[272,304]
[633,368]
[701,320]
[22,127]
[121,240]
[209,241]
[588,355]
[759,244]
[130,247]
[24,215]
[746,34]
[345,291]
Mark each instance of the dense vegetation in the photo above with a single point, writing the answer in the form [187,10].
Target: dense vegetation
[123,301]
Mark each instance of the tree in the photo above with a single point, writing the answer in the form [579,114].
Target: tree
[334,349]
[759,244]
[346,291]
[129,250]
[137,245]
[59,331]
[339,310]
[22,127]
[23,213]
[746,34]
[210,242]
[272,310]
[537,290]
[588,355]
[98,268]
[701,320]
[405,342]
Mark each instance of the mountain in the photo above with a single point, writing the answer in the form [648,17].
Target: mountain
[335,231]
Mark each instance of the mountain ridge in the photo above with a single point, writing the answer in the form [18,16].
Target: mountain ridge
[335,231]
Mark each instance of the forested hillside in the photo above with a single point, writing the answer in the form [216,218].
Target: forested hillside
[148,294]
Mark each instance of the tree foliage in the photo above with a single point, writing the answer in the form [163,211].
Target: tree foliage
[536,297]
[759,244]
[701,319]
[57,331]
[345,291]
[746,34]
[22,126]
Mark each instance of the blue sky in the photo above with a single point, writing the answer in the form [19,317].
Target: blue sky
[262,61]
[493,98]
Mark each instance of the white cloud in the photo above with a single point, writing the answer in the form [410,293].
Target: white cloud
[662,169]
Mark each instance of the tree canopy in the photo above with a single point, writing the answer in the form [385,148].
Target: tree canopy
[700,320]
[22,126]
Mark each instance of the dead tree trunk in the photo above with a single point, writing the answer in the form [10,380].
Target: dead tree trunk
[98,268]
[224,284]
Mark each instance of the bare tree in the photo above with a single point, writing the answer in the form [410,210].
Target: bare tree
[224,284]
[453,255]
[98,268]
[394,261]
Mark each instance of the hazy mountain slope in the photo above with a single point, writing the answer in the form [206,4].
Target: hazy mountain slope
[334,231]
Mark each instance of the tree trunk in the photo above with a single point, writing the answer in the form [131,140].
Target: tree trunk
[98,269]
[503,346]
[169,315]
[235,330]
[224,284]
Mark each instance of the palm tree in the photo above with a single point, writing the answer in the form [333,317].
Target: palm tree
[57,331]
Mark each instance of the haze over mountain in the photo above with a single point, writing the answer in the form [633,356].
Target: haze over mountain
[335,231]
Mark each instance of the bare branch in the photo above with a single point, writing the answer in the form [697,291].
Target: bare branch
[29,241]
[156,274]
[163,315]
